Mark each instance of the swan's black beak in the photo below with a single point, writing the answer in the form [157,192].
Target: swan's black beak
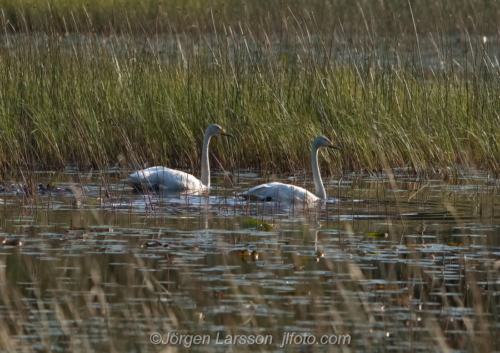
[336,147]
[223,133]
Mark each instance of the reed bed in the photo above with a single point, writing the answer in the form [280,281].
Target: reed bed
[121,84]
[151,16]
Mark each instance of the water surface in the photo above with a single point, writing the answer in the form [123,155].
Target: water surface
[405,265]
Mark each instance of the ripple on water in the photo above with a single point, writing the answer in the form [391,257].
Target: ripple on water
[317,273]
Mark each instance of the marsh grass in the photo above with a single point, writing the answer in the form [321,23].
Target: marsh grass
[151,16]
[100,86]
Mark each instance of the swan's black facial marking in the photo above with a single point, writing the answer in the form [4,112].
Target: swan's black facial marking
[222,132]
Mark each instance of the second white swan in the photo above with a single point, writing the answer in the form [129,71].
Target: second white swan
[171,179]
[288,193]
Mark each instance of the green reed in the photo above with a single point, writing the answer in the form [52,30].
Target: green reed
[101,93]
[151,16]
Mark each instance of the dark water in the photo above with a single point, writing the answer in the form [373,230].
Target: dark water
[403,265]
[436,53]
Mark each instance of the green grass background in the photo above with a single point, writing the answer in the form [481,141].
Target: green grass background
[121,83]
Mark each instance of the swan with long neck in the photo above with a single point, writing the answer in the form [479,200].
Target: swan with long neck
[288,193]
[171,179]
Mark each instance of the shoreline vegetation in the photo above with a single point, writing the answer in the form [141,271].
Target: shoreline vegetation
[116,83]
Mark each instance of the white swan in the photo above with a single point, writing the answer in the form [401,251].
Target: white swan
[171,179]
[280,192]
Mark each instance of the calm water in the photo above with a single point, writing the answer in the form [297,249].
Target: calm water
[403,265]
[457,53]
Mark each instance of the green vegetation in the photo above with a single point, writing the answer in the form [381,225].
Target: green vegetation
[121,83]
[256,224]
[153,16]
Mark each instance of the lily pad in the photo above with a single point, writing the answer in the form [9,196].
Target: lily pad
[257,224]
[377,235]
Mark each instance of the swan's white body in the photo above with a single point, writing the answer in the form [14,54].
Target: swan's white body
[165,178]
[171,179]
[280,192]
[287,193]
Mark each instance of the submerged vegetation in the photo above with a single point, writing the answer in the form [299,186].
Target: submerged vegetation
[121,84]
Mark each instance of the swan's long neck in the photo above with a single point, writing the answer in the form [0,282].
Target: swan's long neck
[318,183]
[205,168]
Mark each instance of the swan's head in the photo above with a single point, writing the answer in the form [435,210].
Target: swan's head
[215,129]
[322,141]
